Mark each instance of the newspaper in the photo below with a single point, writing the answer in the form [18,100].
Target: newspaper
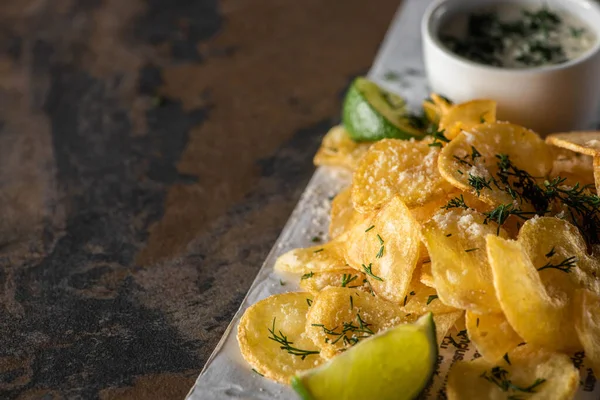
[226,375]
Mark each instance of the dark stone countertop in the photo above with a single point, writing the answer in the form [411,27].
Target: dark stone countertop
[150,153]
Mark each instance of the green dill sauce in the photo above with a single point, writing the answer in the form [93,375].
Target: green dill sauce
[514,37]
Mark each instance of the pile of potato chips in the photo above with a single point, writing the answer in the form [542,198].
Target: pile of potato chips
[421,230]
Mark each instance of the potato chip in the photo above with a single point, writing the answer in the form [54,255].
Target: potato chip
[275,322]
[406,168]
[432,112]
[587,325]
[441,103]
[529,373]
[557,249]
[587,143]
[540,317]
[461,325]
[492,334]
[338,149]
[579,142]
[443,323]
[324,257]
[469,161]
[426,277]
[574,167]
[341,317]
[386,249]
[424,213]
[462,277]
[343,214]
[348,277]
[465,116]
[422,299]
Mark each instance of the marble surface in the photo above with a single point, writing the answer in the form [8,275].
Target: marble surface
[150,153]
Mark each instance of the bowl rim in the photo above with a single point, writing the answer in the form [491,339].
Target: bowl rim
[429,35]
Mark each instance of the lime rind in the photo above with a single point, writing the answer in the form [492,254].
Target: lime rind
[373,368]
[303,392]
[371,113]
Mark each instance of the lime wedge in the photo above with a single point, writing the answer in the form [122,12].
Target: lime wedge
[395,364]
[371,113]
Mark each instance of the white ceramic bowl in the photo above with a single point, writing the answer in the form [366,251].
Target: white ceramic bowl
[548,99]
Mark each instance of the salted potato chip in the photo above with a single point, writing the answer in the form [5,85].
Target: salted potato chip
[386,248]
[465,116]
[462,277]
[343,214]
[432,112]
[492,334]
[275,322]
[469,161]
[444,322]
[425,212]
[579,142]
[460,325]
[559,252]
[587,325]
[341,317]
[532,374]
[574,167]
[338,149]
[587,143]
[406,168]
[422,299]
[324,257]
[426,277]
[349,278]
[441,103]
[540,317]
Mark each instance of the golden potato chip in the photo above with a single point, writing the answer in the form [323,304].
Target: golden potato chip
[341,317]
[492,334]
[574,167]
[461,325]
[461,274]
[579,142]
[559,252]
[272,337]
[324,257]
[540,317]
[441,103]
[432,111]
[343,214]
[443,323]
[426,277]
[425,212]
[349,278]
[465,116]
[587,325]
[470,161]
[338,149]
[406,168]
[527,374]
[422,299]
[386,249]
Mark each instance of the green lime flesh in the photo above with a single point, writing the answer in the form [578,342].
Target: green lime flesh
[393,365]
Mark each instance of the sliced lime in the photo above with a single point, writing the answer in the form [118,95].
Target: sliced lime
[371,113]
[396,364]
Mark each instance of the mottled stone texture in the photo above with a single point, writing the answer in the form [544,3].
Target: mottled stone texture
[150,153]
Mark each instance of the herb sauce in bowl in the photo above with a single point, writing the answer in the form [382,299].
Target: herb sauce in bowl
[511,36]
